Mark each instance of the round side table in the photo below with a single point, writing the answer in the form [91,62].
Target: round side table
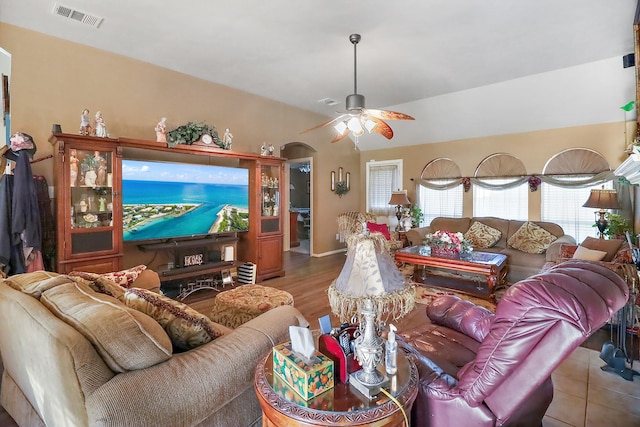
[340,406]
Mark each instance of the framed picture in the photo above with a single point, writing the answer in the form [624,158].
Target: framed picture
[308,186]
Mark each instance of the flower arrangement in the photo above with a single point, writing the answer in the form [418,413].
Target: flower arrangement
[447,242]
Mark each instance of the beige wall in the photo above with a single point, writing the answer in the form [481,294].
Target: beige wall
[53,80]
[532,148]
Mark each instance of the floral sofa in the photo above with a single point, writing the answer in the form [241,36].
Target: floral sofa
[81,350]
[527,244]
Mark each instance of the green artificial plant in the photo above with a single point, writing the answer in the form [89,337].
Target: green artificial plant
[192,132]
[416,215]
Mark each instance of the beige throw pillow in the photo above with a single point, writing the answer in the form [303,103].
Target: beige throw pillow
[98,283]
[482,236]
[608,246]
[588,254]
[186,327]
[531,238]
[126,339]
[35,283]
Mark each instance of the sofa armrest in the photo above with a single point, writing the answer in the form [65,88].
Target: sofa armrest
[553,251]
[415,236]
[461,315]
[198,382]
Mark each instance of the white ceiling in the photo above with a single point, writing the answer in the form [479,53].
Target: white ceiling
[412,53]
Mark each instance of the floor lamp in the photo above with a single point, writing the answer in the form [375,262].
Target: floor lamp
[602,199]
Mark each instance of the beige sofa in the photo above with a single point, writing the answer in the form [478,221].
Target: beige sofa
[54,375]
[520,264]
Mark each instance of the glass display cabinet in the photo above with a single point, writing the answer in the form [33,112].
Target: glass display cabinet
[263,243]
[87,179]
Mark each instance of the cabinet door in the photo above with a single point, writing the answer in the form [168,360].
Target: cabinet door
[270,178]
[91,202]
[269,255]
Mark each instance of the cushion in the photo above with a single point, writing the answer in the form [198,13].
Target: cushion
[567,251]
[125,278]
[608,246]
[37,282]
[380,228]
[98,283]
[186,327]
[482,236]
[588,254]
[125,338]
[531,238]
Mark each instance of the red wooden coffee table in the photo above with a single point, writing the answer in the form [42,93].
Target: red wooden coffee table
[474,273]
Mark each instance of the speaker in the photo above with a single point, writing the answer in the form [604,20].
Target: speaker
[629,60]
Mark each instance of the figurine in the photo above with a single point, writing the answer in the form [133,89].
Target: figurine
[161,130]
[103,204]
[101,178]
[85,126]
[263,149]
[228,137]
[73,167]
[271,149]
[101,126]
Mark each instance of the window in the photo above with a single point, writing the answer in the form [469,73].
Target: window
[382,178]
[512,203]
[436,203]
[563,205]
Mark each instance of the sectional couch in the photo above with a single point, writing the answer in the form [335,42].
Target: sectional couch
[520,264]
[76,357]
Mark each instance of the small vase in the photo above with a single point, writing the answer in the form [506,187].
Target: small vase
[444,252]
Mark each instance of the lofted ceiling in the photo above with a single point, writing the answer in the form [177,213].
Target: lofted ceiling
[298,51]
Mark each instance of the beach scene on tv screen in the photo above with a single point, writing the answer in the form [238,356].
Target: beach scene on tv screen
[162,200]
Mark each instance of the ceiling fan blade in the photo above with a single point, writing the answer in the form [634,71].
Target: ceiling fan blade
[382,128]
[327,123]
[339,137]
[389,115]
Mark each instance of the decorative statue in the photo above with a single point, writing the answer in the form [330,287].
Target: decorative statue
[103,204]
[228,137]
[263,149]
[85,126]
[101,126]
[161,130]
[271,149]
[73,167]
[101,176]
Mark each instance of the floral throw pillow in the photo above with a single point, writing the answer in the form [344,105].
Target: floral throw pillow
[186,327]
[125,278]
[531,238]
[98,283]
[482,236]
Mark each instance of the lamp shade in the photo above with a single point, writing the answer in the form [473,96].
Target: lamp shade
[399,198]
[602,199]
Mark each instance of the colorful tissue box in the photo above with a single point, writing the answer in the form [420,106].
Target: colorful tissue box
[323,402]
[308,380]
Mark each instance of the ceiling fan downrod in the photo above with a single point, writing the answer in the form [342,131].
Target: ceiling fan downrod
[355,101]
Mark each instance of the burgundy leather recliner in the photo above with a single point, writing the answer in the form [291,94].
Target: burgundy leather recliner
[483,369]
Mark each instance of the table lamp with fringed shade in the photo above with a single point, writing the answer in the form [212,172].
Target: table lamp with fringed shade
[399,199]
[371,291]
[602,199]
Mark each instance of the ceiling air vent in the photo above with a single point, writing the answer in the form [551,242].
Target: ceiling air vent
[76,15]
[328,101]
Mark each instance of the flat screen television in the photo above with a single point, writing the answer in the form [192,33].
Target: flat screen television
[166,200]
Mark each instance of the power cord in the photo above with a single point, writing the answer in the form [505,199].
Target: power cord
[404,414]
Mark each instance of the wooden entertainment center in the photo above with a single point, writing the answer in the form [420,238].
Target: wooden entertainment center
[88,185]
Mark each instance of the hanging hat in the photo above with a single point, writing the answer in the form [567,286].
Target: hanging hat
[20,142]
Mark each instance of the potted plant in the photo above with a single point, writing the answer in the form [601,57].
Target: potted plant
[416,215]
[618,224]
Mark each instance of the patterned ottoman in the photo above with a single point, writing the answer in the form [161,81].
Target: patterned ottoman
[234,307]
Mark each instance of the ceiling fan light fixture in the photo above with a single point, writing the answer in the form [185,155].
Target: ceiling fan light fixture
[340,127]
[355,126]
[370,125]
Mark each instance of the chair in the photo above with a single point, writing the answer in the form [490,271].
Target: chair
[350,223]
[483,369]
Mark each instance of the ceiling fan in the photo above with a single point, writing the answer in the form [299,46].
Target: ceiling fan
[357,119]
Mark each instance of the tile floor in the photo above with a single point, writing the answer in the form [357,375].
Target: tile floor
[585,396]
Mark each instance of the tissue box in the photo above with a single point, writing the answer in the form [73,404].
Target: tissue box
[305,379]
[323,402]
